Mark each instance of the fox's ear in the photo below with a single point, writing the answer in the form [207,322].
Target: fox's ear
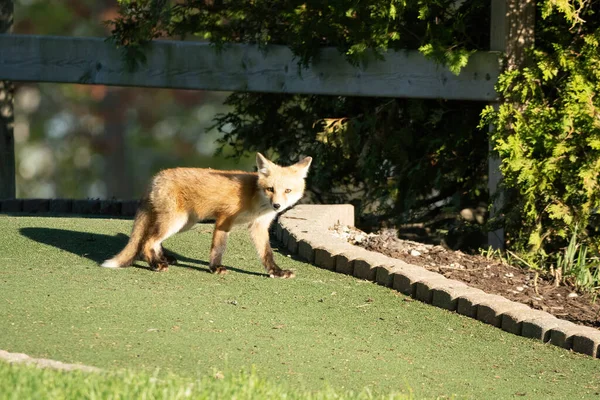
[262,164]
[302,166]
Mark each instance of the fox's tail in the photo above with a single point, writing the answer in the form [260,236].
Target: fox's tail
[126,257]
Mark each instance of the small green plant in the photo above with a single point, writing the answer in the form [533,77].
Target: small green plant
[508,258]
[577,267]
[491,253]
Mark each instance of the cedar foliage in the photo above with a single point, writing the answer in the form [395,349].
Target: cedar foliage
[548,134]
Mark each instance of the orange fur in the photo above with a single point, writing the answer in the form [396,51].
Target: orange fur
[178,198]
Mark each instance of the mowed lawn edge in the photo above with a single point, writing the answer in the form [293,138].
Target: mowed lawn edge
[320,329]
[20,381]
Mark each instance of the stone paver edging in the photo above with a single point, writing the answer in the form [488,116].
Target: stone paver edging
[303,230]
[21,358]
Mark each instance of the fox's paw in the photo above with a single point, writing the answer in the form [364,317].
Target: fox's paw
[160,267]
[220,270]
[170,259]
[282,273]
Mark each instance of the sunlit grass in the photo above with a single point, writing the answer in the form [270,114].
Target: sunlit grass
[319,330]
[28,382]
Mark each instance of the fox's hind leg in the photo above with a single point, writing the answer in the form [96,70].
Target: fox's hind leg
[165,226]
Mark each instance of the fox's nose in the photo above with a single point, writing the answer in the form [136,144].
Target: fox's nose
[276,206]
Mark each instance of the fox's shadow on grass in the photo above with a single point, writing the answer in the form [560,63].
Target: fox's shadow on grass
[98,247]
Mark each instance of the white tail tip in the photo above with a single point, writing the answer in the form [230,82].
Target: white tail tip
[112,263]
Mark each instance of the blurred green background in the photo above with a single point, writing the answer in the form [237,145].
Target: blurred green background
[84,141]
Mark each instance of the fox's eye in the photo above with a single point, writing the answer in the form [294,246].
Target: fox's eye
[288,190]
[271,189]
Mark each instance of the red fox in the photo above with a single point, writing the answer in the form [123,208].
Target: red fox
[178,198]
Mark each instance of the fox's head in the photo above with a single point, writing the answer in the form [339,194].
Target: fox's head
[281,186]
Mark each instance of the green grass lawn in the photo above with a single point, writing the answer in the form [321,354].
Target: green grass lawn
[19,381]
[317,330]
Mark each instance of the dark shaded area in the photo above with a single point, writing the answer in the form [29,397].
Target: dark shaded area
[53,207]
[99,247]
[7,118]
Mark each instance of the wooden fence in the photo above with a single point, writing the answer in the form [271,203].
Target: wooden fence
[241,67]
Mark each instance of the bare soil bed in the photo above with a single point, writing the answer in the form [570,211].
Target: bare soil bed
[487,274]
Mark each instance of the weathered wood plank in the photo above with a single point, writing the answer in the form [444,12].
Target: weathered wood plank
[238,67]
[7,142]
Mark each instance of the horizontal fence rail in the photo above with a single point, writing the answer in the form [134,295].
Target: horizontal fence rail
[241,67]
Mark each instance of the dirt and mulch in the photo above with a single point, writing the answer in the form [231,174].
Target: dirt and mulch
[488,274]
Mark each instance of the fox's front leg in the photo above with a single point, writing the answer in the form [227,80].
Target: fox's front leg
[259,230]
[219,243]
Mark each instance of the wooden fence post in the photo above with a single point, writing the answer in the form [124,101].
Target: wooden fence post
[511,32]
[7,140]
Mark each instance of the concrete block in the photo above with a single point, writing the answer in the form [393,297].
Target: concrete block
[467,303]
[345,260]
[380,265]
[446,296]
[292,244]
[562,335]
[278,231]
[405,279]
[586,341]
[342,214]
[306,251]
[325,216]
[512,320]
[490,310]
[424,288]
[325,256]
[285,236]
[540,327]
[344,263]
[363,269]
[384,275]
